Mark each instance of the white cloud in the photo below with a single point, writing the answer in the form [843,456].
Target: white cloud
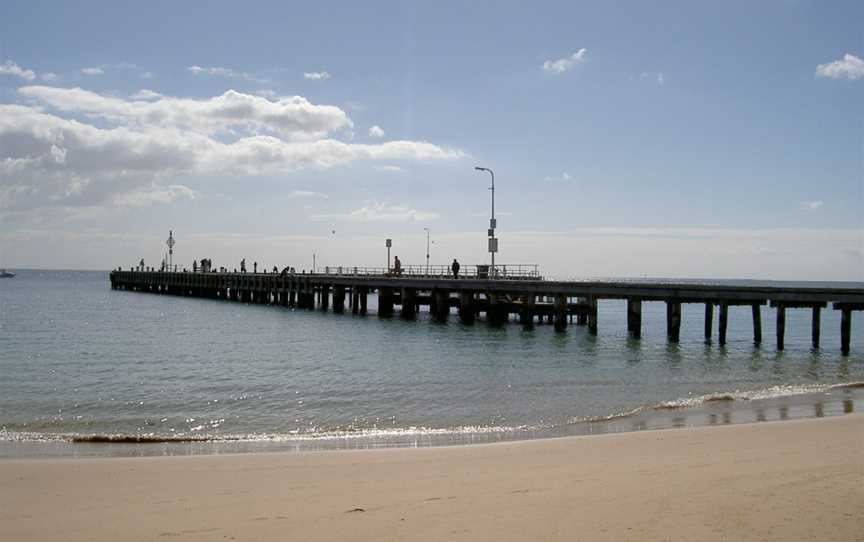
[390,169]
[138,150]
[558,178]
[49,76]
[292,118]
[11,68]
[224,72]
[563,64]
[812,205]
[381,212]
[147,75]
[145,94]
[92,71]
[376,131]
[849,67]
[316,76]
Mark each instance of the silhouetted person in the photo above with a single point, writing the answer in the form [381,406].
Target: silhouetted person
[397,266]
[142,264]
[455,268]
[243,265]
[254,267]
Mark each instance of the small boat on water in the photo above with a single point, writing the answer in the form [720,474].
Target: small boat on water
[6,274]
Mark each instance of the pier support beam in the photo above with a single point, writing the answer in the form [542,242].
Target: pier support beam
[355,300]
[673,320]
[724,320]
[709,321]
[409,303]
[324,295]
[526,315]
[363,295]
[292,298]
[338,299]
[757,324]
[592,315]
[582,315]
[845,330]
[846,323]
[560,312]
[817,326]
[496,312]
[442,305]
[385,302]
[466,307]
[634,317]
[781,325]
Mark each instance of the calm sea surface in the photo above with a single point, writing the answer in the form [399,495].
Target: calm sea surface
[81,364]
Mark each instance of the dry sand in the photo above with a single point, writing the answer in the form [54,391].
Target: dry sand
[793,480]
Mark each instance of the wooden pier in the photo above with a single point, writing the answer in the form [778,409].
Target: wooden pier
[523,296]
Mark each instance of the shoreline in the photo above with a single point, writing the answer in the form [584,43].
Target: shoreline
[728,408]
[797,480]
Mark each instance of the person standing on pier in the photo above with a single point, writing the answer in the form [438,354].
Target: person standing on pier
[455,268]
[254,267]
[243,265]
[397,266]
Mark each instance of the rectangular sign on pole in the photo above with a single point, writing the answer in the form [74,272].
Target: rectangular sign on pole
[493,244]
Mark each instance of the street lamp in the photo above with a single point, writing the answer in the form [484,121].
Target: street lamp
[428,237]
[389,243]
[493,242]
[170,242]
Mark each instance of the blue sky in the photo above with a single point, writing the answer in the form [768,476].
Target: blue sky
[679,139]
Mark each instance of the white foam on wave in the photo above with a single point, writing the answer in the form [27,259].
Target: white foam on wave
[291,436]
[773,392]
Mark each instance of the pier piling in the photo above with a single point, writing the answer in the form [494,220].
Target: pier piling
[592,315]
[709,321]
[634,317]
[757,323]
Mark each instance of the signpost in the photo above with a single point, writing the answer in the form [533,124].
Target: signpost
[389,244]
[170,242]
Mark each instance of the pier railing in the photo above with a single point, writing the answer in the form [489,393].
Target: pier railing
[500,271]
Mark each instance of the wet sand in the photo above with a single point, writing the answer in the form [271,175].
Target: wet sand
[792,480]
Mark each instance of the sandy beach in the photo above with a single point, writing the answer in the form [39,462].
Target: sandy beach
[793,480]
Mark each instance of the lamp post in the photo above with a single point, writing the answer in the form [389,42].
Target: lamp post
[389,243]
[493,242]
[170,243]
[428,237]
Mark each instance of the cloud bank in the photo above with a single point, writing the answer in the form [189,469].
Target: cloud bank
[73,147]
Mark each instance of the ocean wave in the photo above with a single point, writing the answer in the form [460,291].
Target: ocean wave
[419,432]
[774,392]
[291,436]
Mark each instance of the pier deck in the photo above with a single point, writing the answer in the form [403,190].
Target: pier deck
[524,295]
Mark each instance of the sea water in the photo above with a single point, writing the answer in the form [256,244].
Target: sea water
[87,370]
